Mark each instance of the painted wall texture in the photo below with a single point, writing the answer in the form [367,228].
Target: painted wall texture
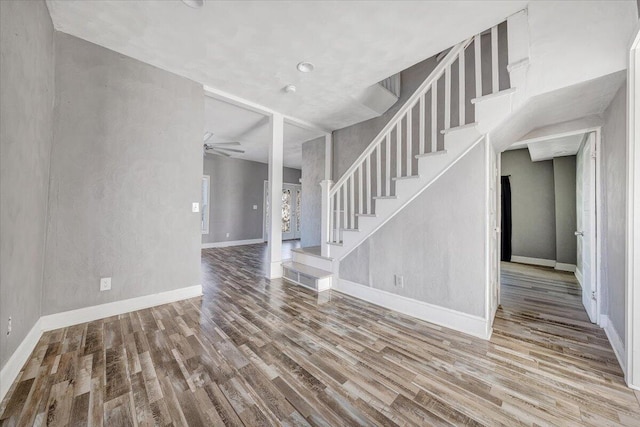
[532,205]
[614,184]
[564,180]
[573,42]
[237,185]
[437,243]
[26,117]
[126,164]
[312,173]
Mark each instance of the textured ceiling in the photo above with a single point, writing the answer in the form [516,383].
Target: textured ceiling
[228,123]
[555,147]
[250,49]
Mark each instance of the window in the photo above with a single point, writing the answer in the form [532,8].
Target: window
[204,212]
[286,210]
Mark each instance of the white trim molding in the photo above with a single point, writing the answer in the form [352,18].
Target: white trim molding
[565,267]
[231,243]
[88,314]
[560,266]
[578,274]
[442,316]
[533,261]
[632,309]
[14,365]
[615,340]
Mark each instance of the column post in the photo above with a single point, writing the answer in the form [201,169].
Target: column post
[274,247]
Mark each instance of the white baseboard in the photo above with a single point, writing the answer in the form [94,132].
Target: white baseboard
[88,314]
[615,340]
[231,243]
[565,267]
[578,274]
[533,261]
[457,320]
[17,360]
[12,368]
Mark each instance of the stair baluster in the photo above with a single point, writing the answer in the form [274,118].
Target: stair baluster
[347,199]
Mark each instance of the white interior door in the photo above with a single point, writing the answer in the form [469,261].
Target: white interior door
[291,196]
[586,224]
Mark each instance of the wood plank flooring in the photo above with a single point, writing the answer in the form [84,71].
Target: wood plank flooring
[253,352]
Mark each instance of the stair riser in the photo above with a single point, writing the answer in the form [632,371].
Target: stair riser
[313,261]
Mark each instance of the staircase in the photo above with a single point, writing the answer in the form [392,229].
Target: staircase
[452,111]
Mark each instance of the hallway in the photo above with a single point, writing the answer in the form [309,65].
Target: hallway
[254,352]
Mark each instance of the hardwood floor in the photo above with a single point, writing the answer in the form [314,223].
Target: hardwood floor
[253,352]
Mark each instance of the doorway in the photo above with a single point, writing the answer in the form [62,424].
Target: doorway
[554,241]
[291,214]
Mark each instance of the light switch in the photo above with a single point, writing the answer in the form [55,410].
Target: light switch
[195,207]
[255,207]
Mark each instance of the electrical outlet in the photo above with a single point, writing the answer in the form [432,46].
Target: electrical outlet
[255,207]
[399,281]
[105,284]
[195,207]
[227,234]
[9,326]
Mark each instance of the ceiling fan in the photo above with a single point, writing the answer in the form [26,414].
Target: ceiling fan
[219,148]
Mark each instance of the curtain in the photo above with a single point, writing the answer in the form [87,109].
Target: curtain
[505,225]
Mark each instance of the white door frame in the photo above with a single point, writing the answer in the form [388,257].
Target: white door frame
[492,201]
[596,270]
[632,311]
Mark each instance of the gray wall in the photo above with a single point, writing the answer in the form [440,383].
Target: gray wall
[312,173]
[350,142]
[564,178]
[614,184]
[532,205]
[126,164]
[543,204]
[437,243]
[26,115]
[237,185]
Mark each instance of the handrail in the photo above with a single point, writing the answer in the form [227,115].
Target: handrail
[408,105]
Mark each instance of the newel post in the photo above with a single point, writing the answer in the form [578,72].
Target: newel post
[325,224]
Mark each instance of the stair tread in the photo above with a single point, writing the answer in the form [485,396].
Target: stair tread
[335,243]
[307,269]
[385,197]
[349,229]
[455,128]
[367,215]
[433,153]
[400,178]
[493,95]
[313,251]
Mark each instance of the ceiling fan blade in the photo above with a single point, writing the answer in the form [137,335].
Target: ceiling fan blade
[226,143]
[207,136]
[227,149]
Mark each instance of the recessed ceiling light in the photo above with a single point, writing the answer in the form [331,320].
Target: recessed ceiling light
[290,88]
[305,67]
[196,4]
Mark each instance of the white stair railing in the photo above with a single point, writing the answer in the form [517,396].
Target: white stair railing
[392,152]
